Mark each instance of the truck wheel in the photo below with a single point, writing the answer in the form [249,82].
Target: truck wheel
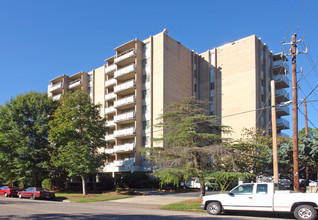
[305,212]
[214,208]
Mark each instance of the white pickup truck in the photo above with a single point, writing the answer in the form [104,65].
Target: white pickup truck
[266,197]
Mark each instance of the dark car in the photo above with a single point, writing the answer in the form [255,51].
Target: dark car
[35,193]
[9,191]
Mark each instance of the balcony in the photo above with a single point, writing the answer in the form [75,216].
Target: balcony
[110,68]
[110,82]
[127,102]
[280,67]
[127,162]
[126,72]
[282,123]
[281,81]
[281,95]
[127,117]
[56,97]
[281,111]
[110,123]
[56,86]
[109,151]
[125,88]
[128,132]
[75,84]
[110,96]
[110,109]
[125,57]
[124,147]
[110,137]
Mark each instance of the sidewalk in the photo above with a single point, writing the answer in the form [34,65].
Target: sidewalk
[158,198]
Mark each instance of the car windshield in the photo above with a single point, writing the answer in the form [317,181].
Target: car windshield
[40,189]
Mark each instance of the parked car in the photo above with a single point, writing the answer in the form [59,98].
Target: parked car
[35,193]
[266,197]
[9,191]
[312,183]
[195,184]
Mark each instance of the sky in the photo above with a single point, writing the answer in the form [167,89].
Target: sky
[40,40]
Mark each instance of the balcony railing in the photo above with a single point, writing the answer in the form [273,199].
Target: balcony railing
[125,55]
[56,97]
[110,82]
[125,70]
[110,123]
[110,109]
[281,95]
[125,147]
[282,123]
[75,83]
[280,63]
[110,137]
[110,68]
[283,110]
[125,132]
[56,86]
[109,151]
[125,101]
[124,86]
[110,96]
[128,162]
[281,80]
[125,116]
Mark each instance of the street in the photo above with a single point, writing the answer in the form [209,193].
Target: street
[142,207]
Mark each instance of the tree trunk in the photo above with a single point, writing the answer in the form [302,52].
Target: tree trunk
[202,187]
[84,185]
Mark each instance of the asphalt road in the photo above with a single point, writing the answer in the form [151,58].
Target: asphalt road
[141,207]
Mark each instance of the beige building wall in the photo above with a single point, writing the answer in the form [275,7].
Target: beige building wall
[157,81]
[237,66]
[99,88]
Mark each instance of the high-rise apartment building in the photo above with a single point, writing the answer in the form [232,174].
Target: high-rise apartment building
[143,76]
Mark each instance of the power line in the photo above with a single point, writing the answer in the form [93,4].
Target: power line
[307,118]
[304,14]
[294,19]
[310,25]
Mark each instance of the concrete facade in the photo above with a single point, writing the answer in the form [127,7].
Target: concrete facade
[144,76]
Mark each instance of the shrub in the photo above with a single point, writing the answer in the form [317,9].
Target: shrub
[47,184]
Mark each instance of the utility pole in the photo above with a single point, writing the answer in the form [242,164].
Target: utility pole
[274,132]
[306,121]
[295,115]
[294,52]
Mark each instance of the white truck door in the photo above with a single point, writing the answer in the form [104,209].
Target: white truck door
[263,198]
[241,198]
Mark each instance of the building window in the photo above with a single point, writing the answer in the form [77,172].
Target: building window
[212,86]
[145,125]
[145,94]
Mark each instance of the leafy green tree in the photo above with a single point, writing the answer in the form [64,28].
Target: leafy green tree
[307,154]
[77,133]
[257,146]
[24,146]
[191,144]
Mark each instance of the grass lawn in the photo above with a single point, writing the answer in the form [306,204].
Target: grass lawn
[192,205]
[80,198]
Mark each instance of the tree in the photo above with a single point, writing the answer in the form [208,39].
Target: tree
[24,146]
[307,153]
[257,146]
[191,144]
[77,132]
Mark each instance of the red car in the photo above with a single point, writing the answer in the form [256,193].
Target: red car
[35,193]
[9,191]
